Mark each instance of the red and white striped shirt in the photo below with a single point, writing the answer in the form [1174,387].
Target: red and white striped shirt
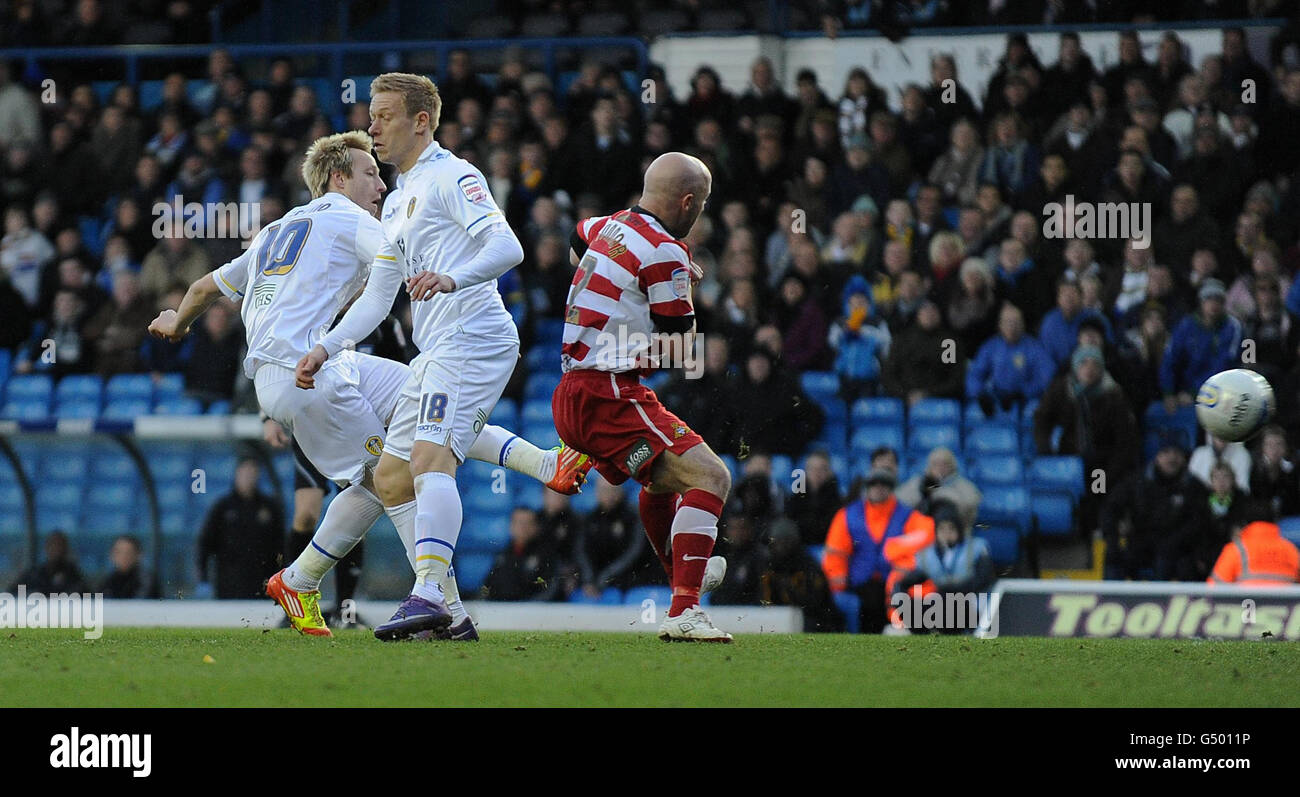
[630,267]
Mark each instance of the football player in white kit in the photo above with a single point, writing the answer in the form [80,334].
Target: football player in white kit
[293,280]
[448,241]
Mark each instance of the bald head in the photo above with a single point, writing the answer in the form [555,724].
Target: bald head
[676,188]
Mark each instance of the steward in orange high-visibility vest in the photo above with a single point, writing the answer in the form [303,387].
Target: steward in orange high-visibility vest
[1258,555]
[871,542]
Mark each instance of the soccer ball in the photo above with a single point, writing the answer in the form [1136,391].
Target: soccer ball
[1233,405]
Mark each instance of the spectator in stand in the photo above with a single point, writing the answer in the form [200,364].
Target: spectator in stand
[1009,369]
[941,482]
[925,361]
[815,500]
[747,559]
[794,578]
[860,342]
[1273,476]
[526,569]
[24,255]
[706,404]
[1021,281]
[243,533]
[1060,328]
[947,251]
[798,316]
[956,171]
[954,565]
[564,528]
[972,309]
[615,545]
[57,574]
[1184,230]
[175,260]
[128,579]
[1156,519]
[1228,502]
[868,540]
[1273,331]
[1011,160]
[1202,344]
[778,417]
[214,359]
[118,329]
[68,350]
[1257,554]
[1264,269]
[1217,451]
[1096,423]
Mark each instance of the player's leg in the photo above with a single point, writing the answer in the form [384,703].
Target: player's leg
[703,481]
[562,469]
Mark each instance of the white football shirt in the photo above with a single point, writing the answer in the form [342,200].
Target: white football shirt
[297,275]
[430,220]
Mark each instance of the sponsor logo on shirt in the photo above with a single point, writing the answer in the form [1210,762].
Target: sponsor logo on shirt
[472,188]
[410,207]
[638,456]
[681,282]
[375,445]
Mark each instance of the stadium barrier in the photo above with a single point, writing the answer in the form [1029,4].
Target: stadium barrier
[1125,609]
[488,616]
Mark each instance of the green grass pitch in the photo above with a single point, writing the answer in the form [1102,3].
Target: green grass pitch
[249,667]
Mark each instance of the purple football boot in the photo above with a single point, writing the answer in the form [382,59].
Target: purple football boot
[414,615]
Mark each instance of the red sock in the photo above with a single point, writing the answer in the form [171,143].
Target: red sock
[695,528]
[657,510]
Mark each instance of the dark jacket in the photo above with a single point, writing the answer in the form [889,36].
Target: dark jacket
[1097,425]
[813,510]
[797,579]
[244,536]
[1156,522]
[524,573]
[916,362]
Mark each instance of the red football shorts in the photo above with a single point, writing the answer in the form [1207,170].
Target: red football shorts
[618,422]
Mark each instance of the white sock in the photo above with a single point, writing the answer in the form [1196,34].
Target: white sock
[452,593]
[500,446]
[403,517]
[349,516]
[437,527]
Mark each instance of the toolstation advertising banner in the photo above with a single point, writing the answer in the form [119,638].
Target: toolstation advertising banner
[1163,610]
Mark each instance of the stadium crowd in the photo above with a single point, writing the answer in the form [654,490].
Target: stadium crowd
[897,241]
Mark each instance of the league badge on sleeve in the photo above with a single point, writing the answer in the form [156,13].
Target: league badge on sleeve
[682,282]
[472,188]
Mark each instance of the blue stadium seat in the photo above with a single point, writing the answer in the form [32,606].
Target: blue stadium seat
[30,386]
[973,416]
[913,465]
[6,359]
[849,605]
[78,408]
[1005,505]
[662,596]
[26,409]
[1181,423]
[1003,542]
[867,438]
[923,438]
[487,534]
[876,411]
[506,413]
[472,570]
[1054,512]
[1064,473]
[219,407]
[536,411]
[992,439]
[1290,528]
[129,386]
[112,465]
[542,358]
[480,501]
[658,379]
[815,551]
[169,385]
[933,410]
[84,387]
[65,459]
[820,384]
[178,405]
[541,386]
[997,469]
[126,409]
[550,332]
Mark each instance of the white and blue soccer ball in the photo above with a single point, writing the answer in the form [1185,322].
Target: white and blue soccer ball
[1233,405]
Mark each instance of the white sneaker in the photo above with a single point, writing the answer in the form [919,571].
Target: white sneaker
[714,571]
[692,625]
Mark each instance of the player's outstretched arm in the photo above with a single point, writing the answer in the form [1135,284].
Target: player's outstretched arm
[175,324]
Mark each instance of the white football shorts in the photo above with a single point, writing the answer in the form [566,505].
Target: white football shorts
[340,423]
[452,391]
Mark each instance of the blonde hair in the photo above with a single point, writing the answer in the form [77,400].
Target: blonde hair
[330,154]
[418,94]
[946,238]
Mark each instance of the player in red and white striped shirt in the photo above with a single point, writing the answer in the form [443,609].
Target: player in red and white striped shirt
[634,280]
